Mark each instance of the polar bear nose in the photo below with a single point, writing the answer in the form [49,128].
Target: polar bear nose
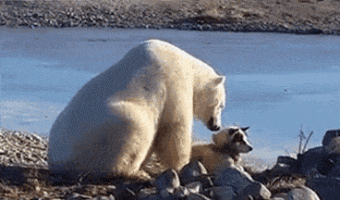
[212,126]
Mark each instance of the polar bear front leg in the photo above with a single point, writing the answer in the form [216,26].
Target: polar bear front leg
[173,145]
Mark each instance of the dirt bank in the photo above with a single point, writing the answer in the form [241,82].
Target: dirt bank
[285,16]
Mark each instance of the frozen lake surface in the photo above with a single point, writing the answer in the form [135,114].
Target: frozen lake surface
[276,82]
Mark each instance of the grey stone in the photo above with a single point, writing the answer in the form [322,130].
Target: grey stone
[280,169]
[335,172]
[126,193]
[255,190]
[146,192]
[194,187]
[76,196]
[111,197]
[286,160]
[302,193]
[327,187]
[223,193]
[153,197]
[281,196]
[314,158]
[206,181]
[168,180]
[166,193]
[329,135]
[234,177]
[194,196]
[181,192]
[286,164]
[191,172]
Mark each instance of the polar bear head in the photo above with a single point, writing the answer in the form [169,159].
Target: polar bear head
[209,102]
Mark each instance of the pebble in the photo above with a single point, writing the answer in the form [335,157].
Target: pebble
[132,15]
[168,181]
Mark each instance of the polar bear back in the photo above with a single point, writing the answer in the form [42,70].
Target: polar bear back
[157,77]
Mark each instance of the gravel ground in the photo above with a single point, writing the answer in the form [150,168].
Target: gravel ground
[24,174]
[285,16]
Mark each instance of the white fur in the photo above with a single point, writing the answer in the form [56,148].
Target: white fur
[145,103]
[218,154]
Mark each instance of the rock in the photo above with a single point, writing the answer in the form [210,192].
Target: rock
[315,158]
[194,196]
[167,180]
[76,196]
[111,197]
[126,193]
[146,192]
[302,193]
[329,135]
[335,172]
[206,181]
[327,187]
[233,177]
[287,160]
[333,146]
[280,169]
[194,187]
[181,192]
[255,190]
[154,197]
[192,171]
[281,196]
[222,193]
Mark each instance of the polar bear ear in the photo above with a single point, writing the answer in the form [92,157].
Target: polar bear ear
[219,80]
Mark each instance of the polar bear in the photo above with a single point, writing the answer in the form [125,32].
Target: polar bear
[145,103]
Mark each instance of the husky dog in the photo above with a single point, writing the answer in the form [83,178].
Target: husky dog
[225,149]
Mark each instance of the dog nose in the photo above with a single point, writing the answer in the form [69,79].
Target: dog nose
[250,148]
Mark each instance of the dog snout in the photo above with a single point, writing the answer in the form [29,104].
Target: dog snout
[250,148]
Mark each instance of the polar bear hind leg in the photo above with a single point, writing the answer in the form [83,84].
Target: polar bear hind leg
[136,145]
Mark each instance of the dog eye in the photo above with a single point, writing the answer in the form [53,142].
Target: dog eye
[232,131]
[238,138]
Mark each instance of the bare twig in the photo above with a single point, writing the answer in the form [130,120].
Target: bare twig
[302,137]
[304,148]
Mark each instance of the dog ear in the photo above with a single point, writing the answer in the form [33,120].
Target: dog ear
[245,128]
[232,131]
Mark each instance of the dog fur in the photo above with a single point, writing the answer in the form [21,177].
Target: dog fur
[225,150]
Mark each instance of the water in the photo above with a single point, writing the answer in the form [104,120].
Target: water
[276,82]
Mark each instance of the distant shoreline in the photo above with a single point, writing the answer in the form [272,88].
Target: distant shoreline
[281,16]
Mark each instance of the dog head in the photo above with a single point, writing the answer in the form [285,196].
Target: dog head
[232,138]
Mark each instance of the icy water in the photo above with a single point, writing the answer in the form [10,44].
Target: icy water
[276,82]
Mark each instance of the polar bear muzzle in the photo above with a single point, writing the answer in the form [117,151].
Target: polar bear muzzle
[212,124]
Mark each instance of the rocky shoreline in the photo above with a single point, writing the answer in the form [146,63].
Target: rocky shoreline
[314,174]
[283,16]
